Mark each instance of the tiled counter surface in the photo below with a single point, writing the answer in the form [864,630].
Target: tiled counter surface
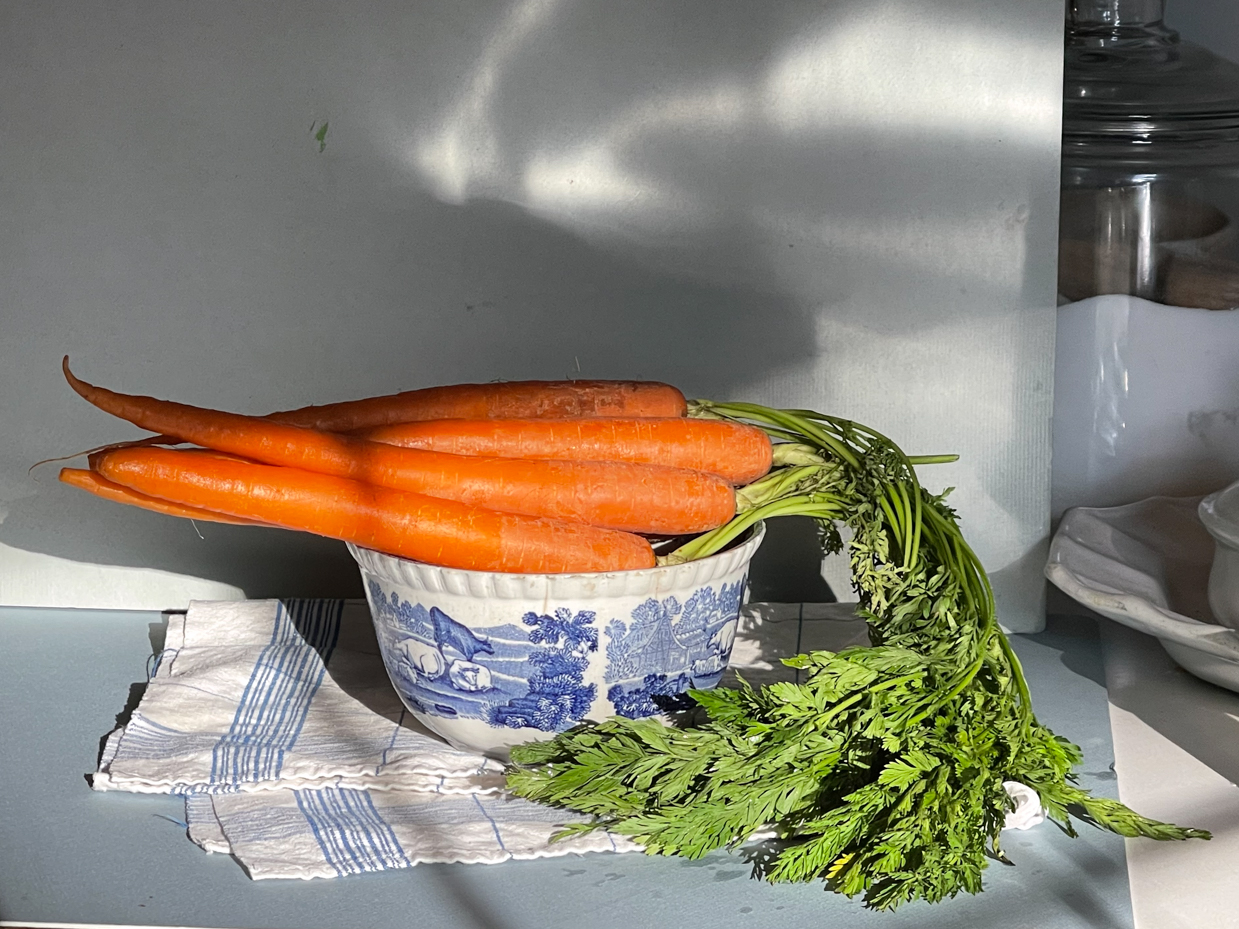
[69,856]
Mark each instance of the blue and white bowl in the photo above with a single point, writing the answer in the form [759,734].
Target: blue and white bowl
[490,660]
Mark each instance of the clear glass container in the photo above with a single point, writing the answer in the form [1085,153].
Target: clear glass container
[1150,182]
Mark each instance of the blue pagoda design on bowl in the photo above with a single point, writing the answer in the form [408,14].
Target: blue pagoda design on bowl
[669,647]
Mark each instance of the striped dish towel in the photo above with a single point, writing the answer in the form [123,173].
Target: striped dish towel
[276,721]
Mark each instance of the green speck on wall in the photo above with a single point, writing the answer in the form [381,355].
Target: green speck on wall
[321,136]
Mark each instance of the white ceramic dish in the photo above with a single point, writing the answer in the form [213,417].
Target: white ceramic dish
[1219,512]
[1146,565]
[491,660]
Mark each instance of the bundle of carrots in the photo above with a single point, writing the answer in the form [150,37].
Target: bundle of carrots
[527,477]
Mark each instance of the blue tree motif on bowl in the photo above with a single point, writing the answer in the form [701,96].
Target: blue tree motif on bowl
[669,647]
[558,696]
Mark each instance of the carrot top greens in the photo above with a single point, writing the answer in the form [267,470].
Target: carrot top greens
[882,773]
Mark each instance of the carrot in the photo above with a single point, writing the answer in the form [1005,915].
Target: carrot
[740,454]
[415,526]
[648,499]
[506,399]
[511,399]
[100,486]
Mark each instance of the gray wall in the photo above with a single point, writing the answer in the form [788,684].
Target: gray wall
[847,205]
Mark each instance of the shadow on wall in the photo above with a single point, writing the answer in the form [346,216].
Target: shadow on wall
[716,195]
[540,290]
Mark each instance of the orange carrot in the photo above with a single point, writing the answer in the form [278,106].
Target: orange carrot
[508,399]
[100,486]
[416,526]
[511,399]
[649,499]
[738,453]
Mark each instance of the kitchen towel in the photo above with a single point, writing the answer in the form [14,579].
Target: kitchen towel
[276,720]
[240,699]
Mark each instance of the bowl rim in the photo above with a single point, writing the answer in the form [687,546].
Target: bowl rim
[504,585]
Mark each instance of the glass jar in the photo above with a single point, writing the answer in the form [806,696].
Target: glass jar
[1146,375]
[1150,175]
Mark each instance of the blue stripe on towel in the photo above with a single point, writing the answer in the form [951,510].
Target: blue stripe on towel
[198,808]
[276,698]
[493,825]
[351,833]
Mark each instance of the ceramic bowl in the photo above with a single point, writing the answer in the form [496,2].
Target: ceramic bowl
[1220,514]
[490,660]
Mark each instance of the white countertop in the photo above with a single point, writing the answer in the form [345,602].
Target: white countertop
[70,856]
[1176,748]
